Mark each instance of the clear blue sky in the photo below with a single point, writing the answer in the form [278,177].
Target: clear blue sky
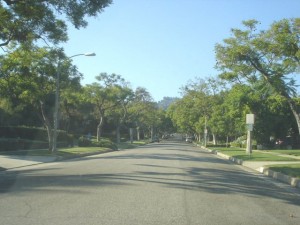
[162,44]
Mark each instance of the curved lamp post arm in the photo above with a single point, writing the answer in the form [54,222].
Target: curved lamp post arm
[85,54]
[56,106]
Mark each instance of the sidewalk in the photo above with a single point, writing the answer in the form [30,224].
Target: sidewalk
[262,166]
[257,165]
[8,162]
[15,161]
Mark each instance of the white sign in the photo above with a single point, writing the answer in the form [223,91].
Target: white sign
[249,127]
[250,119]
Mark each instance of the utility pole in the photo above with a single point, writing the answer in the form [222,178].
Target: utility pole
[249,124]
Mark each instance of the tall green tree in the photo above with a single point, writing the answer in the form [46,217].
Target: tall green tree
[105,95]
[31,20]
[139,109]
[118,114]
[265,59]
[28,80]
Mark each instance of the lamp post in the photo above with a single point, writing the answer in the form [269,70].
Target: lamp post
[56,106]
[249,123]
[205,133]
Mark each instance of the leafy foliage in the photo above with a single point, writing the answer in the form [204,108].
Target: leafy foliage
[28,21]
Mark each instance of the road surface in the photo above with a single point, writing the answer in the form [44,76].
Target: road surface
[160,184]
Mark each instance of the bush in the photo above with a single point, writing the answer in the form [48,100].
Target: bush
[219,145]
[84,142]
[28,133]
[104,142]
[32,134]
[11,144]
[240,142]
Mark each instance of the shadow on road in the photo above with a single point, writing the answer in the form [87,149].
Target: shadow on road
[173,166]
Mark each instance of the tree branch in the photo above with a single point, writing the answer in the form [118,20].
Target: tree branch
[5,43]
[12,2]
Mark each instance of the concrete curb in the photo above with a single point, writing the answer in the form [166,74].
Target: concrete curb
[294,182]
[59,159]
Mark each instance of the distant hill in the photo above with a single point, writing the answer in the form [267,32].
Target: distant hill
[166,102]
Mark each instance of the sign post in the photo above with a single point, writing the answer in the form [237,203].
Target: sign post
[249,124]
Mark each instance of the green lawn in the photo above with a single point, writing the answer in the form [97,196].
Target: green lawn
[288,169]
[295,152]
[255,156]
[71,152]
[128,145]
[63,152]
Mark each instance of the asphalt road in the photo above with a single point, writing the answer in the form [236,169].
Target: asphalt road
[159,184]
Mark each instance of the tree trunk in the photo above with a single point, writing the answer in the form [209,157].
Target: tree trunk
[131,135]
[227,139]
[295,113]
[138,133]
[152,133]
[47,125]
[214,139]
[118,134]
[99,128]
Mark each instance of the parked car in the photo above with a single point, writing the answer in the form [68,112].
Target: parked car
[189,139]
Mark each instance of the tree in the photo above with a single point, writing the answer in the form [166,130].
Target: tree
[138,110]
[28,80]
[166,102]
[264,59]
[119,113]
[29,21]
[106,94]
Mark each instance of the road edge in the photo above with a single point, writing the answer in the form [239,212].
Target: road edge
[60,159]
[293,181]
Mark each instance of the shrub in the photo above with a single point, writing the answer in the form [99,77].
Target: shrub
[219,145]
[84,142]
[34,133]
[104,142]
[240,142]
[11,144]
[29,133]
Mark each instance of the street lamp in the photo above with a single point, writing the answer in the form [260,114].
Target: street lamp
[56,106]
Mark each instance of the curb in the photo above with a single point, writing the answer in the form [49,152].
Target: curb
[61,158]
[293,181]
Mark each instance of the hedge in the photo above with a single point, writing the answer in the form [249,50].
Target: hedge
[31,133]
[15,138]
[12,144]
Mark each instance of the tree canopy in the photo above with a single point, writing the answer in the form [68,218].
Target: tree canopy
[266,59]
[28,21]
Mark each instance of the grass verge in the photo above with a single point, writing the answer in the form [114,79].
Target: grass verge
[128,145]
[292,170]
[71,152]
[62,152]
[295,152]
[255,156]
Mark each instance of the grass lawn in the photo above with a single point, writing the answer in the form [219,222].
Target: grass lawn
[288,169]
[128,145]
[64,152]
[255,156]
[71,152]
[295,152]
